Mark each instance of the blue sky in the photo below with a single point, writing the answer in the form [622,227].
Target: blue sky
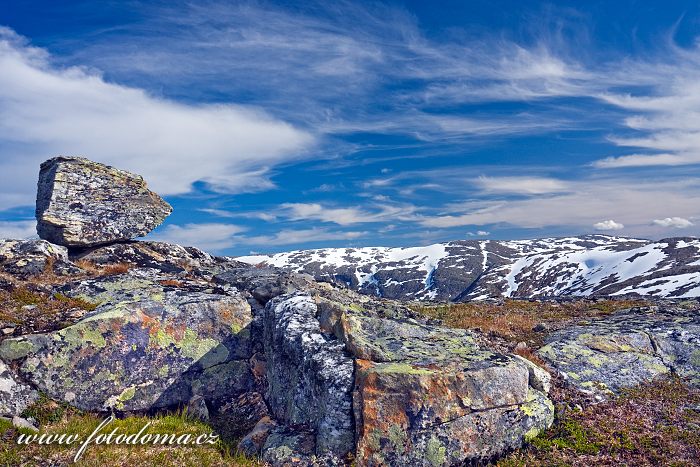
[277,126]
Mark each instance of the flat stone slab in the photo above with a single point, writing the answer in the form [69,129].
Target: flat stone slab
[81,203]
[627,348]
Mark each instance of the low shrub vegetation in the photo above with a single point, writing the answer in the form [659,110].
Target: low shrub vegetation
[28,311]
[522,320]
[657,423]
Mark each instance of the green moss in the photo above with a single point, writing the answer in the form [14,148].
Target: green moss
[374,440]
[162,339]
[695,358]
[531,434]
[572,435]
[126,395]
[194,347]
[163,371]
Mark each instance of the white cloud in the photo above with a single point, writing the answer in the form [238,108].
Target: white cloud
[314,211]
[18,229]
[478,233]
[46,111]
[291,236]
[210,237]
[217,237]
[666,119]
[641,160]
[345,216]
[608,225]
[674,222]
[521,185]
[631,203]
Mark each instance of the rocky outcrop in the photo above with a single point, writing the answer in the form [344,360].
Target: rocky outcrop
[310,376]
[389,390]
[81,203]
[308,373]
[607,355]
[24,259]
[146,345]
[320,375]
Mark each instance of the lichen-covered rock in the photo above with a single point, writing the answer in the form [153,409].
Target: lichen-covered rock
[265,283]
[310,376]
[14,396]
[234,416]
[147,345]
[82,203]
[168,258]
[421,394]
[286,446]
[430,396]
[23,259]
[626,349]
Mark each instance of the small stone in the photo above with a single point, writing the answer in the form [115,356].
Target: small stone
[7,331]
[19,422]
[252,443]
[14,396]
[197,409]
[81,203]
[540,379]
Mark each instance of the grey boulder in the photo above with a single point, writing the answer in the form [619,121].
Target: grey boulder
[81,203]
[14,395]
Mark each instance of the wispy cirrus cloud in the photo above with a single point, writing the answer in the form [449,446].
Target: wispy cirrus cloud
[629,203]
[348,215]
[213,237]
[218,237]
[521,185]
[47,110]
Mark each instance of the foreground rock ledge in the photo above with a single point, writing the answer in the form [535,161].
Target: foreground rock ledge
[322,376]
[81,203]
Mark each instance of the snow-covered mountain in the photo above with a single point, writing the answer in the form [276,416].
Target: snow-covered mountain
[480,269]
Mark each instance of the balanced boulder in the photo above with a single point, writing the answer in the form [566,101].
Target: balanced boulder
[81,203]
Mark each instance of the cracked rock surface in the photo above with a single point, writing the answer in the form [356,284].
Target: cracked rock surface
[81,203]
[628,348]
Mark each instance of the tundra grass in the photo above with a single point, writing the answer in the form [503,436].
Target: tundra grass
[60,419]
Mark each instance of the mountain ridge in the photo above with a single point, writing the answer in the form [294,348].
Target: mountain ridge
[461,270]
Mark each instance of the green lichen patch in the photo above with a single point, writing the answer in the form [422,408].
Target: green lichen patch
[435,452]
[15,349]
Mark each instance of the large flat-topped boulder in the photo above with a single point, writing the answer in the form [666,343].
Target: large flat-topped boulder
[343,380]
[81,203]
